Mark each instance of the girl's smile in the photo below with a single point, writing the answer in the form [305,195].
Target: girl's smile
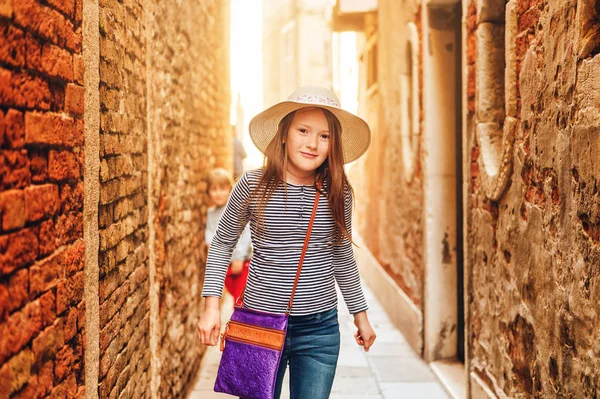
[307,144]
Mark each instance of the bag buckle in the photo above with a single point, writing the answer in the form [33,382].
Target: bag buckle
[223,337]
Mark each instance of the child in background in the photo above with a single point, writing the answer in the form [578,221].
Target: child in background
[219,188]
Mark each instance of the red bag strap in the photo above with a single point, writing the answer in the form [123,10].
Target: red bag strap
[239,300]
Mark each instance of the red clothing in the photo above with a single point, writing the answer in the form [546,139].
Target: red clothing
[235,283]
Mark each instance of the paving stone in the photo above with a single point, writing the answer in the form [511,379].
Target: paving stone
[355,385]
[413,390]
[401,369]
[391,369]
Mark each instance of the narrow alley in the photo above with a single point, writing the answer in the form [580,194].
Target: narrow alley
[474,207]
[390,370]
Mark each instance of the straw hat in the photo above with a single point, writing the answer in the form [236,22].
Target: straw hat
[356,135]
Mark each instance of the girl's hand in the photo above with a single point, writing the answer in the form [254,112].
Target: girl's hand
[236,267]
[365,336]
[209,326]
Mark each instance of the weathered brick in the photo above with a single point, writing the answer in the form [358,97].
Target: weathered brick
[30,390]
[53,129]
[6,10]
[18,330]
[65,364]
[110,306]
[2,129]
[38,165]
[47,308]
[70,324]
[66,389]
[81,316]
[69,292]
[71,197]
[74,99]
[48,23]
[106,216]
[4,302]
[46,378]
[78,68]
[48,343]
[45,275]
[17,250]
[67,7]
[69,227]
[4,381]
[14,169]
[47,238]
[63,165]
[12,45]
[19,89]
[56,62]
[20,369]
[12,209]
[73,257]
[78,10]
[14,129]
[108,284]
[528,20]
[111,236]
[41,201]
[34,52]
[18,289]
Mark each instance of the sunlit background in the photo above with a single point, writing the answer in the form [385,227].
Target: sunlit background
[246,71]
[300,50]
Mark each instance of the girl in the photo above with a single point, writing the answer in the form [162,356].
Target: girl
[219,188]
[306,140]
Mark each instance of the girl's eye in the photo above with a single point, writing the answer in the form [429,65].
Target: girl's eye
[325,136]
[302,130]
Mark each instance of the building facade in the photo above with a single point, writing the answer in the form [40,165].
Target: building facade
[289,48]
[477,200]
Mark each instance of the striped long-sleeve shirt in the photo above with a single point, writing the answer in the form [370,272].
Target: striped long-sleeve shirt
[277,248]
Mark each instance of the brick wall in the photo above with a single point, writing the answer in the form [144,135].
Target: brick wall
[189,122]
[123,209]
[42,313]
[163,123]
[534,252]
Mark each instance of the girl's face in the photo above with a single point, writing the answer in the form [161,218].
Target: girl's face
[219,194]
[307,141]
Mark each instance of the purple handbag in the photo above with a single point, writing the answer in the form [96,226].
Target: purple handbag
[253,341]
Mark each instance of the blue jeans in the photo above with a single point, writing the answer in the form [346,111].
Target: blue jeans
[312,346]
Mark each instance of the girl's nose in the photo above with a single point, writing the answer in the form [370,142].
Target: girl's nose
[311,142]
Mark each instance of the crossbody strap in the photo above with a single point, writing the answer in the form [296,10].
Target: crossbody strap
[240,299]
[304,248]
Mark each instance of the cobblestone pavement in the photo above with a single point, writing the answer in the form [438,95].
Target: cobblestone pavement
[390,370]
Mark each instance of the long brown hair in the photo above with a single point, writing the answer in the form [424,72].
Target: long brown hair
[331,173]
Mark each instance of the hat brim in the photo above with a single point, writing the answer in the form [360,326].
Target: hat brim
[356,135]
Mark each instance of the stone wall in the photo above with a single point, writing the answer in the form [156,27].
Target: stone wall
[123,209]
[42,312]
[162,122]
[388,179]
[189,100]
[534,220]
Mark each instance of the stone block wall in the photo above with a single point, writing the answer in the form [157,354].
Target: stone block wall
[389,179]
[534,242]
[162,122]
[42,312]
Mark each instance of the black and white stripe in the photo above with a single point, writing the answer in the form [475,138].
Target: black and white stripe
[277,251]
